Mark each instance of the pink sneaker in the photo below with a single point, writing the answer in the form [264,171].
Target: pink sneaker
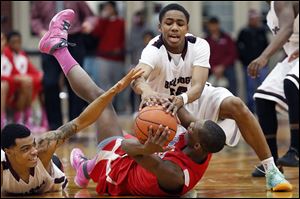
[57,35]
[77,159]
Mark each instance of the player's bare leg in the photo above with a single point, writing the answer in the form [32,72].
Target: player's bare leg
[234,108]
[55,42]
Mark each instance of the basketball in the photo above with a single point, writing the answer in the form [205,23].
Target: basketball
[154,115]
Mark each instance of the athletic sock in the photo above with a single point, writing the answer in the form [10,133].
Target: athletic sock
[88,167]
[65,59]
[268,164]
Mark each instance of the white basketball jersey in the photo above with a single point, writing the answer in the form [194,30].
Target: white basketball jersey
[21,63]
[6,66]
[40,181]
[172,73]
[272,21]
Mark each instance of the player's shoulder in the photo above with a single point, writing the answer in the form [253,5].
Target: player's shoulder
[196,42]
[156,42]
[3,158]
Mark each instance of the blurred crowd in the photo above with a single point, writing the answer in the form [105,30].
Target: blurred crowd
[106,53]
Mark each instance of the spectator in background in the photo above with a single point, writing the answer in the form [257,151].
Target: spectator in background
[91,66]
[110,30]
[27,82]
[251,42]
[7,86]
[41,14]
[222,57]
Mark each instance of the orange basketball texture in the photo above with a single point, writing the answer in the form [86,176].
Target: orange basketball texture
[154,115]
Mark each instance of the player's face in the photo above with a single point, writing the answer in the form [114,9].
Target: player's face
[193,131]
[24,152]
[15,43]
[173,28]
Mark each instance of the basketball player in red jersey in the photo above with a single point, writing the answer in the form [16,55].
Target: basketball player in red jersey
[124,166]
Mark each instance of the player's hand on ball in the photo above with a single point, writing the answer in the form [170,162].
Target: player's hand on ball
[174,104]
[153,99]
[156,140]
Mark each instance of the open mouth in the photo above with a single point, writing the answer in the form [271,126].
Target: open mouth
[174,38]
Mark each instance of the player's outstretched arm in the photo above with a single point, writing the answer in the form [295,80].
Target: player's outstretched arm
[48,143]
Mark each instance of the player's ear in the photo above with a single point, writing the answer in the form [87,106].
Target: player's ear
[159,27]
[197,146]
[8,151]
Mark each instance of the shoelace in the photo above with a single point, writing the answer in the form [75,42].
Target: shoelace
[65,43]
[66,25]
[260,169]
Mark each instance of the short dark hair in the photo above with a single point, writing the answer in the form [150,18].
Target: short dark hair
[12,34]
[212,137]
[214,20]
[173,6]
[11,132]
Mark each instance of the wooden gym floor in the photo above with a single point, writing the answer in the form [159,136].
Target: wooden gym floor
[228,174]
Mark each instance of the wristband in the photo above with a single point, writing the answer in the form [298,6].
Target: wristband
[185,98]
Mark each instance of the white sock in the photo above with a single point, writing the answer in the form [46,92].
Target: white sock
[268,164]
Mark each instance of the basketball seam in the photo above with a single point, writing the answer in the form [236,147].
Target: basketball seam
[140,129]
[155,123]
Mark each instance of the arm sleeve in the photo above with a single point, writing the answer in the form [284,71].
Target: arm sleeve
[201,53]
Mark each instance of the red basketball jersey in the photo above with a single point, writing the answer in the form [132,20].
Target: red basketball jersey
[118,174]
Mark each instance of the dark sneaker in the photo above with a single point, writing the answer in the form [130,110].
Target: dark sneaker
[290,159]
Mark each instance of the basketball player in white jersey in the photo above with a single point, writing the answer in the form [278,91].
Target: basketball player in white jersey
[27,165]
[177,64]
[281,87]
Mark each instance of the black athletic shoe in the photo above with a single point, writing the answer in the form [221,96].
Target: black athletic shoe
[258,173]
[290,159]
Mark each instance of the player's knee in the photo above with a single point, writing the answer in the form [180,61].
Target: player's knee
[238,107]
[27,83]
[4,87]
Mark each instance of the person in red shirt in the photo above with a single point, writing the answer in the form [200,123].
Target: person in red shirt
[222,57]
[7,85]
[110,52]
[27,81]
